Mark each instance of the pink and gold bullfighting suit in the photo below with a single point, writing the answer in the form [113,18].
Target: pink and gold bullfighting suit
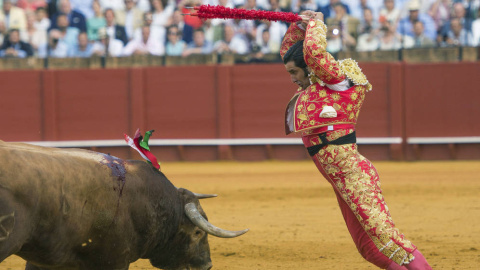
[326,113]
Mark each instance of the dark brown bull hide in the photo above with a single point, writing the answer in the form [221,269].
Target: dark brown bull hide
[78,209]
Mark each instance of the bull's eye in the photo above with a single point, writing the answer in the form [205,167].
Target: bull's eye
[198,232]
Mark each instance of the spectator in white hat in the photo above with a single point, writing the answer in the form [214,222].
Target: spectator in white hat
[405,25]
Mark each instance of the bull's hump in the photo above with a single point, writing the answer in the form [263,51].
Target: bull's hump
[90,155]
[73,152]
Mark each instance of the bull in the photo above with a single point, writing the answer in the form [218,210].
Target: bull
[78,209]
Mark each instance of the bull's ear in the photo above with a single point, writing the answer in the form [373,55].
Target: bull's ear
[204,196]
[194,215]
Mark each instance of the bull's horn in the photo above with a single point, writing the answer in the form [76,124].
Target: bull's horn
[204,196]
[194,215]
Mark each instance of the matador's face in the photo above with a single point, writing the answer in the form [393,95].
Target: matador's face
[297,75]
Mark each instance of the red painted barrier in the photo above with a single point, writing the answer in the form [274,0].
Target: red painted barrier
[442,100]
[21,106]
[240,101]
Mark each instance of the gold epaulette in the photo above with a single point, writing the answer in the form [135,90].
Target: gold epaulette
[354,72]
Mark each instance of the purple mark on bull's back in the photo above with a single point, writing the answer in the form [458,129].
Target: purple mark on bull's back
[117,167]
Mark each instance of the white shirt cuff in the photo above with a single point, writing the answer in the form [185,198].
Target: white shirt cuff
[341,86]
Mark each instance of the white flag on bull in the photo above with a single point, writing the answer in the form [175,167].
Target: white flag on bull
[141,145]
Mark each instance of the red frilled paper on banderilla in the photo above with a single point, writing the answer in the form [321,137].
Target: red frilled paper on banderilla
[221,12]
[140,144]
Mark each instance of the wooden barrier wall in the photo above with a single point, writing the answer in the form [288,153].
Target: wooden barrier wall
[236,101]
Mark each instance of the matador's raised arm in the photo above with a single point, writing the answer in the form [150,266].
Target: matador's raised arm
[293,35]
[321,62]
[325,67]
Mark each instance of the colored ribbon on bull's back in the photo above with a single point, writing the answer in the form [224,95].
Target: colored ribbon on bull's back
[140,144]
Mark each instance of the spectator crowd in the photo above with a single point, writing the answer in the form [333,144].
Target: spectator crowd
[82,28]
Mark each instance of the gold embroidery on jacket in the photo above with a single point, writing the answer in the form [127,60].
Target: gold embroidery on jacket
[309,106]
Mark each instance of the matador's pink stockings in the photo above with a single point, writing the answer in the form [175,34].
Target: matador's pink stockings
[395,266]
[419,263]
[367,248]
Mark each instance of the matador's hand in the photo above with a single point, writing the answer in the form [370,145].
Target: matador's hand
[307,15]
[319,16]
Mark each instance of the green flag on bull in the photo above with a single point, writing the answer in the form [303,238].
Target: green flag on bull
[144,142]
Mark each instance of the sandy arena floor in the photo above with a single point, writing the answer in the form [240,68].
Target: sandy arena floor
[295,222]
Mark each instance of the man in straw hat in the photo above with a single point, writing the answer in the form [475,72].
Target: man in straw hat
[405,25]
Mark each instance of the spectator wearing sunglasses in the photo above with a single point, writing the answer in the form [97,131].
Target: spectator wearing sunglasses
[175,45]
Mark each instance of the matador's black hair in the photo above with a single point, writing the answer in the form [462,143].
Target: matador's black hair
[295,54]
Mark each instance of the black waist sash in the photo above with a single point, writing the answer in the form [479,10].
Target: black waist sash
[349,138]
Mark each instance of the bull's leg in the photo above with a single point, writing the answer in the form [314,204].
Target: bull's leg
[121,268]
[12,233]
[7,223]
[30,266]
[95,267]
